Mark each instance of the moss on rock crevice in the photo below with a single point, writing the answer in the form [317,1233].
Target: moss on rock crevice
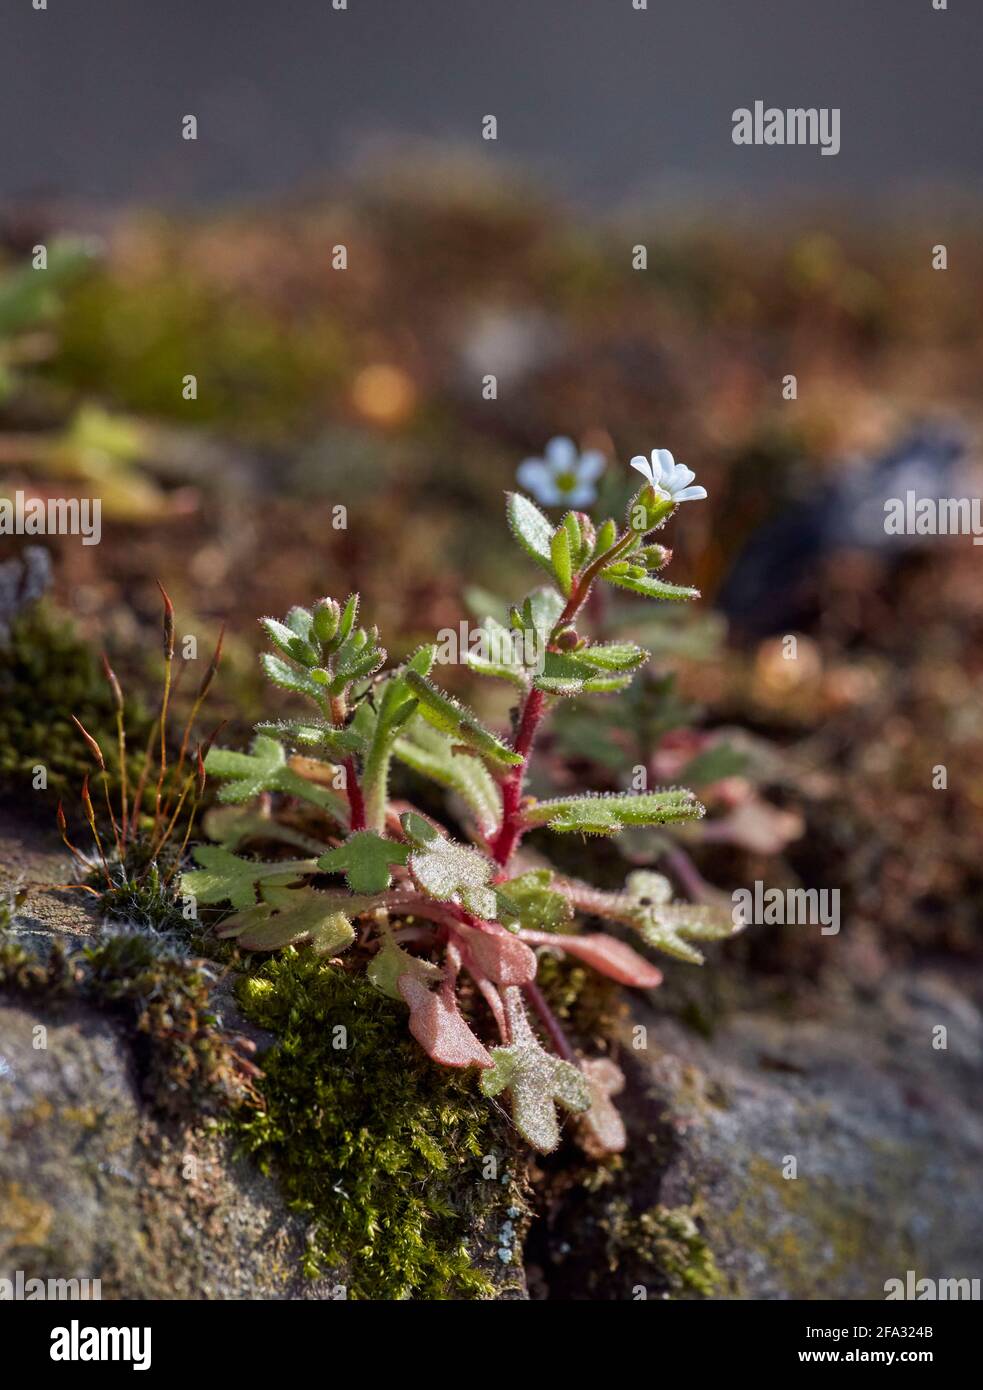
[408,1177]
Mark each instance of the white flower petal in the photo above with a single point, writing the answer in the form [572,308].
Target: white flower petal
[591,466]
[581,496]
[664,459]
[537,477]
[532,473]
[644,466]
[561,454]
[690,494]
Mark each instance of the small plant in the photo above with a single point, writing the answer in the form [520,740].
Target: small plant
[452,929]
[158,797]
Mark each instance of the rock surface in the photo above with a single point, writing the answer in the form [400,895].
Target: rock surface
[94,1184]
[91,1184]
[884,1129]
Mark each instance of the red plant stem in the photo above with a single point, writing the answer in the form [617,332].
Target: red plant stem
[581,590]
[356,801]
[511,830]
[510,833]
[550,1022]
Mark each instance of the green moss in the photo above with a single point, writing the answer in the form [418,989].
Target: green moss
[669,1242]
[138,894]
[47,674]
[381,1149]
[586,1003]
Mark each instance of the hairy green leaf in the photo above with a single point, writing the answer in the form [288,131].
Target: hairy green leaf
[562,560]
[289,677]
[224,877]
[265,769]
[530,901]
[462,724]
[235,826]
[292,645]
[669,926]
[530,528]
[638,581]
[606,814]
[287,916]
[614,656]
[448,871]
[396,707]
[429,752]
[365,860]
[391,961]
[316,733]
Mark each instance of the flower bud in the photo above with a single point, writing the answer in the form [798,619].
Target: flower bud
[327,615]
[606,537]
[587,534]
[654,557]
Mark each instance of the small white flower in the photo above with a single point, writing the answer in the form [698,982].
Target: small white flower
[669,478]
[562,478]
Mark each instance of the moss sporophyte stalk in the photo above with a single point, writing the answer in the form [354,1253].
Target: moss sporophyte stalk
[451,928]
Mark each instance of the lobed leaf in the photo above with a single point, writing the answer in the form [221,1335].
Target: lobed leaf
[265,769]
[602,1127]
[668,926]
[532,903]
[365,860]
[448,871]
[224,877]
[391,962]
[536,1080]
[287,916]
[235,826]
[338,743]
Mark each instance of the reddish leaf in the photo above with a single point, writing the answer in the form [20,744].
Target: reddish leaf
[602,1128]
[497,953]
[605,954]
[438,1027]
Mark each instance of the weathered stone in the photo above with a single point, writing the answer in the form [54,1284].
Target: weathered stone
[885,1131]
[94,1182]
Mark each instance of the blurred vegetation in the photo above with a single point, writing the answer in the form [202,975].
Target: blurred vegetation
[320,388]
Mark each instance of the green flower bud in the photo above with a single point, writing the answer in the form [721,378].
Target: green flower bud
[327,615]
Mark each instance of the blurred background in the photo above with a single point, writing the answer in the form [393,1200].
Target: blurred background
[632,279]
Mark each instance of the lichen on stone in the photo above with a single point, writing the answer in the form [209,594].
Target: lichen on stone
[188,1063]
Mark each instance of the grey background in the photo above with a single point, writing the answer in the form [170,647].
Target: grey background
[605,102]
